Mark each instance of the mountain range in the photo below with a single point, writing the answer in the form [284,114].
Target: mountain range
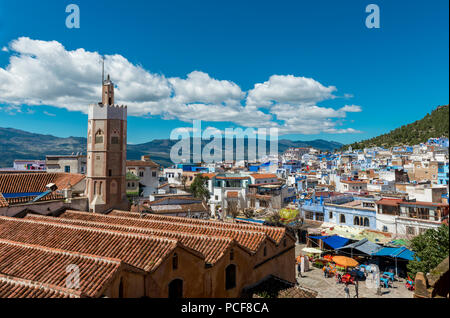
[19,144]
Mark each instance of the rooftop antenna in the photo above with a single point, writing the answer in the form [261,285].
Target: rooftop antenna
[103,69]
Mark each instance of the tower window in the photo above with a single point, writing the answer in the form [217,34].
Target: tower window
[114,140]
[99,137]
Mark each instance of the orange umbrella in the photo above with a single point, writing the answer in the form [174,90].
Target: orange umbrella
[345,261]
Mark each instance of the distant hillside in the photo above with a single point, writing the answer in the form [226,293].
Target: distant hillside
[19,144]
[434,124]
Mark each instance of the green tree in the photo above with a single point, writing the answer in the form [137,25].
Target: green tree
[431,247]
[199,188]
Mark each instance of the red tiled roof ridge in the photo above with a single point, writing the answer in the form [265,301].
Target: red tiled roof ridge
[160,221]
[168,198]
[222,232]
[44,217]
[64,252]
[150,231]
[224,229]
[263,175]
[47,287]
[184,218]
[74,227]
[36,182]
[213,224]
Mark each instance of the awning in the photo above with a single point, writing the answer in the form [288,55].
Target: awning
[311,250]
[334,241]
[365,246]
[396,252]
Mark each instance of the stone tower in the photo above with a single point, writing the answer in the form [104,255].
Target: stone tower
[106,153]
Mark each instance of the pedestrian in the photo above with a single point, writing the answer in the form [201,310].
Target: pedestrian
[347,291]
[356,289]
[299,268]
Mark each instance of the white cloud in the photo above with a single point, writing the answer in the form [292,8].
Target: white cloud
[49,114]
[5,49]
[45,73]
[289,89]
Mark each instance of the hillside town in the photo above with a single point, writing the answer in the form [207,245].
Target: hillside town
[304,223]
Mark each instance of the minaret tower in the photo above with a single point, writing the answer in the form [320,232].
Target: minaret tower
[106,153]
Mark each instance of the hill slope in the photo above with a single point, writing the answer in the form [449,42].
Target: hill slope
[19,144]
[434,124]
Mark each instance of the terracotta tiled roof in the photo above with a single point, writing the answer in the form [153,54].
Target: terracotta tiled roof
[212,247]
[169,199]
[274,233]
[141,251]
[389,201]
[231,178]
[12,287]
[36,182]
[3,202]
[249,239]
[46,265]
[264,175]
[141,163]
[22,200]
[178,208]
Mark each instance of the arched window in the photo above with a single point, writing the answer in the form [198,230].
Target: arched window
[231,254]
[366,222]
[284,243]
[175,261]
[99,137]
[356,220]
[230,276]
[176,288]
[265,251]
[342,218]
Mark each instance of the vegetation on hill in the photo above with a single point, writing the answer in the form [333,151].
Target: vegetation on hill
[434,124]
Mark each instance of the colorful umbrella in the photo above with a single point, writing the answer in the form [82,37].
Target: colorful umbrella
[345,261]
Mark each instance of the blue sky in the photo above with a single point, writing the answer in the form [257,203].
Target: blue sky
[391,76]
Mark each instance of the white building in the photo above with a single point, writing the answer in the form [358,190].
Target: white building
[70,163]
[148,173]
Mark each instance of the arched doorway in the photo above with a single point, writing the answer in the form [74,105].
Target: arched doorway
[176,288]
